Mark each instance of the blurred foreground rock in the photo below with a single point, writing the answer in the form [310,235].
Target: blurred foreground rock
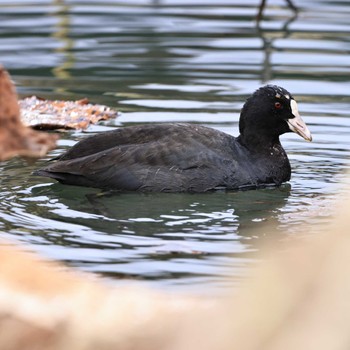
[297,299]
[15,138]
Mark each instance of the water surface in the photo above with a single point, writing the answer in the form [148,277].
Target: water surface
[168,61]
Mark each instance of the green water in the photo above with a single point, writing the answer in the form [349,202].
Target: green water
[166,61]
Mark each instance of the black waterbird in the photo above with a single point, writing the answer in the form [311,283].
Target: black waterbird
[180,157]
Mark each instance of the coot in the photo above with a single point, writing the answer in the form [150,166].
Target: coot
[182,157]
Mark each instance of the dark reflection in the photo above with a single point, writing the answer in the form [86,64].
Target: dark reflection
[216,213]
[159,230]
[262,7]
[268,38]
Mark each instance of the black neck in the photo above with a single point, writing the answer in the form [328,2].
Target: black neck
[259,143]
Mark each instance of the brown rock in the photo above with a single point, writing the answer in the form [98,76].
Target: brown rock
[15,138]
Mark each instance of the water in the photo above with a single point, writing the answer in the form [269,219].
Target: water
[166,61]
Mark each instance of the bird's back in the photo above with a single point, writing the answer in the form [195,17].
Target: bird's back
[161,158]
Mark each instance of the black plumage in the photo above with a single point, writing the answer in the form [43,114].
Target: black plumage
[187,157]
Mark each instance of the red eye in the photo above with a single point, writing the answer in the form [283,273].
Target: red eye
[278,105]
